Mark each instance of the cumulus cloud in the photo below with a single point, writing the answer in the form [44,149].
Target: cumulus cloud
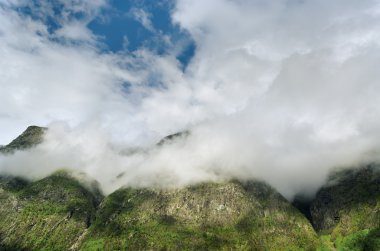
[282,91]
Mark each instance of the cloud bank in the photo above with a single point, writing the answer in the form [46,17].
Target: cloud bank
[282,91]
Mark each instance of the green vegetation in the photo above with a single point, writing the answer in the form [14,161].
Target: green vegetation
[50,214]
[58,213]
[363,240]
[347,210]
[208,216]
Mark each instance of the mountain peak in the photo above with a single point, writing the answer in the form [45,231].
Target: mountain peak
[172,137]
[33,135]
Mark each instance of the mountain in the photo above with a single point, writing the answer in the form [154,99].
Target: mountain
[61,212]
[346,211]
[49,214]
[228,216]
[32,136]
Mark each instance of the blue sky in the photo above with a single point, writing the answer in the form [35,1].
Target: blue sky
[119,28]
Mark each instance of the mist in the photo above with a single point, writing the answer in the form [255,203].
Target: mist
[281,91]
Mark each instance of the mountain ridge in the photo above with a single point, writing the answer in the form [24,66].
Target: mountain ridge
[235,215]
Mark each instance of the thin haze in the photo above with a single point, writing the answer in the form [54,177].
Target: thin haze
[282,91]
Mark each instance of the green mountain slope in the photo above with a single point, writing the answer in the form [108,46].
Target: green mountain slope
[209,216]
[32,136]
[49,214]
[347,210]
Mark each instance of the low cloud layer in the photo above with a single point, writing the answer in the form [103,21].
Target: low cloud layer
[282,91]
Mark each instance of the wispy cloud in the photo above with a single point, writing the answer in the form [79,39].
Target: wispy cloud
[143,17]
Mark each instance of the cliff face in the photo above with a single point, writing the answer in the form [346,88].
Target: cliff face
[60,213]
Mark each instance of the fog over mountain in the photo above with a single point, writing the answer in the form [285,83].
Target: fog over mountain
[281,91]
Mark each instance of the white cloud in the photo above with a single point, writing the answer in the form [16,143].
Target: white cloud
[76,31]
[282,91]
